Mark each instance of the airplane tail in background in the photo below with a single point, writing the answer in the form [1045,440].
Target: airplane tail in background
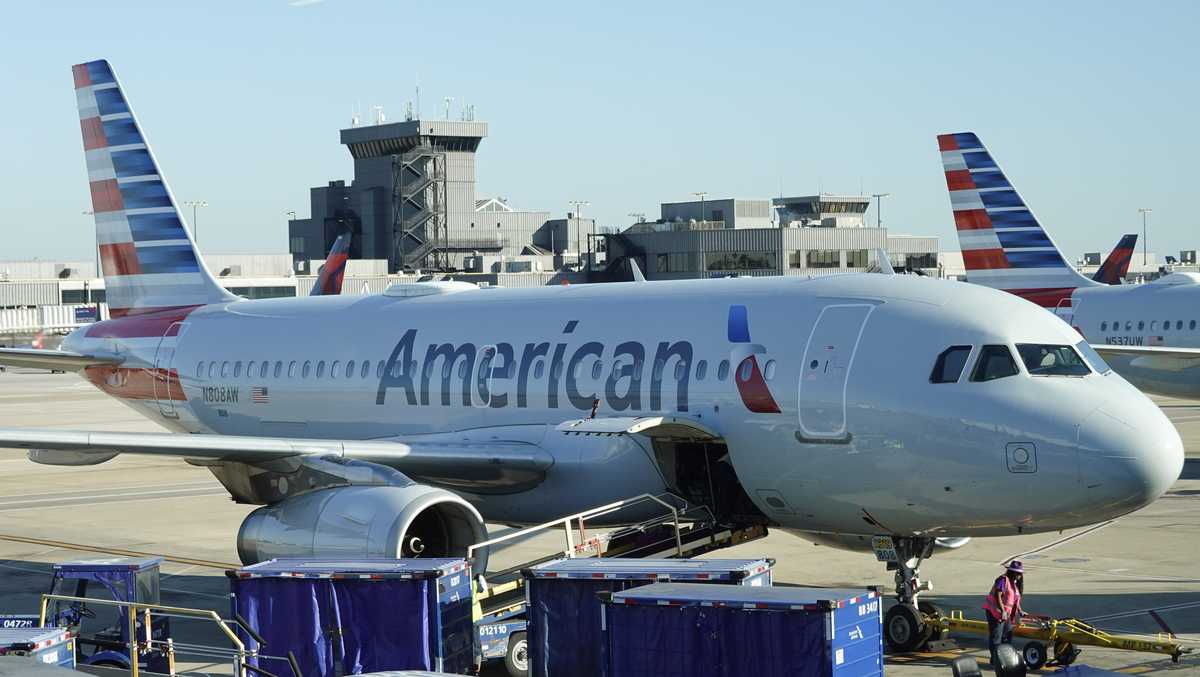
[1003,245]
[329,277]
[149,260]
[1114,268]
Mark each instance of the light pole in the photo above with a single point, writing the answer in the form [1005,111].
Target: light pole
[1145,241]
[879,208]
[195,204]
[701,194]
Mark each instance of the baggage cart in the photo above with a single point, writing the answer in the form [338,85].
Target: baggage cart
[669,629]
[47,646]
[564,612]
[361,615]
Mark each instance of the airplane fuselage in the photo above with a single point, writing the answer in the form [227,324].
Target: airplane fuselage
[820,389]
[1163,313]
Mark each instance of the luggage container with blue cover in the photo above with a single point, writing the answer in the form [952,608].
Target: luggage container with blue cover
[47,646]
[564,612]
[681,629]
[353,616]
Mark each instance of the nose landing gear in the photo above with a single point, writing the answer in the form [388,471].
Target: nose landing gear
[904,624]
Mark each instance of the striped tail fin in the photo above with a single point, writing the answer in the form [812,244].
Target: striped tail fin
[149,260]
[1003,245]
[1116,265]
[329,277]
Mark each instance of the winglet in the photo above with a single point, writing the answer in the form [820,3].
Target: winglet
[636,271]
[1116,265]
[882,265]
[332,272]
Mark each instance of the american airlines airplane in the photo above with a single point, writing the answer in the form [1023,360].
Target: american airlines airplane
[1147,332]
[840,408]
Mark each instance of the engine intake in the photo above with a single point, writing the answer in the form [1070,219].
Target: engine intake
[415,520]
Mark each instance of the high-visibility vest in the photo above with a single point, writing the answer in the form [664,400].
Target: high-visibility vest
[1003,600]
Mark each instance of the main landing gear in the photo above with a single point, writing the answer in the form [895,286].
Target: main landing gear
[904,625]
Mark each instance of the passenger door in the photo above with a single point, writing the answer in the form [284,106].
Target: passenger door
[828,358]
[167,387]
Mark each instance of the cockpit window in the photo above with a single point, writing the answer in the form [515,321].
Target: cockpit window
[1051,360]
[949,365]
[994,362]
[1093,358]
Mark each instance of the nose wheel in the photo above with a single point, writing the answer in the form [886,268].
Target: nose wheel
[904,625]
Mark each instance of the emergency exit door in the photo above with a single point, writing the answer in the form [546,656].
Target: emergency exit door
[828,358]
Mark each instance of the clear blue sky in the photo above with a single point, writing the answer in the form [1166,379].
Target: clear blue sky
[1091,109]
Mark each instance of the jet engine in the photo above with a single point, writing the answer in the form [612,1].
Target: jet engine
[859,543]
[413,520]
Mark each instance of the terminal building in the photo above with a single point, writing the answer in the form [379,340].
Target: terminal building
[807,235]
[412,202]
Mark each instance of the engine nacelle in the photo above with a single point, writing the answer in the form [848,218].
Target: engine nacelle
[859,543]
[414,520]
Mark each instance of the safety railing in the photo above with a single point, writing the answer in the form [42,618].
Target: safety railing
[239,654]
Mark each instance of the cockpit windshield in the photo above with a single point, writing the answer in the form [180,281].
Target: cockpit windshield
[1093,358]
[1051,360]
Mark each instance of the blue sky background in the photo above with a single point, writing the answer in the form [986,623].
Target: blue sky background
[1090,109]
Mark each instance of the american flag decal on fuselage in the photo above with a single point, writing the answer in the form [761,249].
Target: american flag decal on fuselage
[258,395]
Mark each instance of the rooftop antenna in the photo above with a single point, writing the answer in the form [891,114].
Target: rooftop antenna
[408,111]
[449,100]
[418,97]
[379,116]
[355,119]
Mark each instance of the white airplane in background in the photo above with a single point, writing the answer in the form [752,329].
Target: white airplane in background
[838,408]
[1149,333]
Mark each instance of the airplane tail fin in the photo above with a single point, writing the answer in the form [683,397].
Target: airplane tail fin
[1003,245]
[1116,265]
[329,277]
[148,257]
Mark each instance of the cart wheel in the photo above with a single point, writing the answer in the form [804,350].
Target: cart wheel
[965,666]
[935,633]
[1034,654]
[904,629]
[516,661]
[1065,653]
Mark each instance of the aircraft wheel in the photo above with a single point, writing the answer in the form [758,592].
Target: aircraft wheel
[1034,654]
[1065,653]
[516,661]
[903,629]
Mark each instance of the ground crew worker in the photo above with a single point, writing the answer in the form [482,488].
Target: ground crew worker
[1003,607]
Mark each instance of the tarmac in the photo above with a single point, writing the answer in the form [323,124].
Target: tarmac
[1138,574]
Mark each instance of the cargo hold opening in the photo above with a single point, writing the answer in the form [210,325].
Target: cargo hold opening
[702,474]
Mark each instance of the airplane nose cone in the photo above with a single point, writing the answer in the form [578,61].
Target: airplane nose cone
[1128,459]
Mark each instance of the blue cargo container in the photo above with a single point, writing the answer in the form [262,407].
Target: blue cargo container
[695,630]
[48,646]
[355,616]
[564,612]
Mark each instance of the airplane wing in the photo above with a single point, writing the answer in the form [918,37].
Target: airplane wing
[475,466]
[1156,357]
[53,359]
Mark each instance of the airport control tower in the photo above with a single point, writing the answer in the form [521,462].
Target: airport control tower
[429,170]
[413,202]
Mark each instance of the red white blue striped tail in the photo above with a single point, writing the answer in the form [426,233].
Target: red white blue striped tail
[1003,245]
[149,260]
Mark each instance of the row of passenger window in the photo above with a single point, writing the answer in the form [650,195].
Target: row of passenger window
[354,369]
[996,361]
[1154,325]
